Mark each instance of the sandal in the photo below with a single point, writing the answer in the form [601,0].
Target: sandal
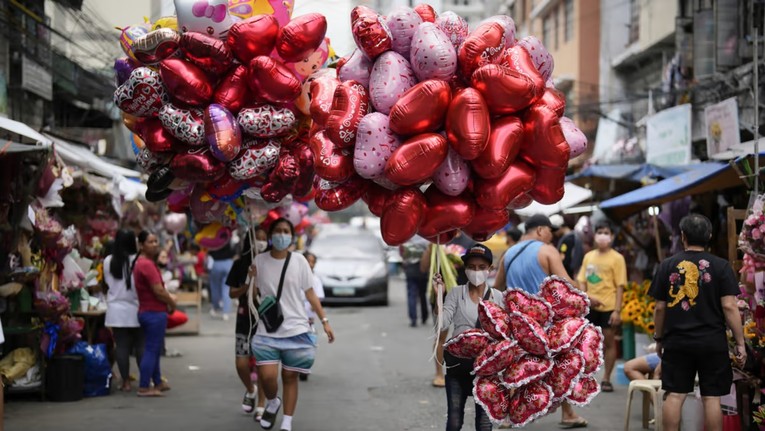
[151,393]
[606,387]
[164,387]
[270,417]
[576,423]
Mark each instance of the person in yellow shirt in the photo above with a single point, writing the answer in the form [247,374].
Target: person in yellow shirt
[603,276]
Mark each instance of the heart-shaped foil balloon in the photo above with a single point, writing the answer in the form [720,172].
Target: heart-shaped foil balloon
[530,334]
[526,369]
[496,357]
[143,94]
[566,300]
[591,345]
[568,366]
[266,121]
[530,305]
[494,320]
[374,145]
[257,158]
[149,161]
[185,124]
[490,395]
[585,390]
[565,333]
[530,403]
[468,344]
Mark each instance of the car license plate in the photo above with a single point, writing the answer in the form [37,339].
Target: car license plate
[343,291]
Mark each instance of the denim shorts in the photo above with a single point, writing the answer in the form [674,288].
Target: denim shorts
[295,353]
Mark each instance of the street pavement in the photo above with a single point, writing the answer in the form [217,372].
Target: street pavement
[376,376]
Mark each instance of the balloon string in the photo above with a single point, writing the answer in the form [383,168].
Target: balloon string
[250,296]
[439,303]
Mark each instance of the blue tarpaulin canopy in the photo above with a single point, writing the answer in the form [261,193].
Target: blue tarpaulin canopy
[629,172]
[702,178]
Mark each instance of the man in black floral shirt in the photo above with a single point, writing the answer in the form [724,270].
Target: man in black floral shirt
[695,294]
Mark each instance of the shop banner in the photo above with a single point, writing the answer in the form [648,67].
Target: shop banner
[669,137]
[36,79]
[722,126]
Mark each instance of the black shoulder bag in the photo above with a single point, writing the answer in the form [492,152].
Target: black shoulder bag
[269,310]
[485,298]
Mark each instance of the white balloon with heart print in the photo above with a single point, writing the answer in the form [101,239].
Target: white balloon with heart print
[454,27]
[266,121]
[576,139]
[256,159]
[403,23]
[358,68]
[508,24]
[209,17]
[432,56]
[452,177]
[392,76]
[187,125]
[375,143]
[542,58]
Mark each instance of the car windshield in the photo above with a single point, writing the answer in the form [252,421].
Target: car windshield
[346,246]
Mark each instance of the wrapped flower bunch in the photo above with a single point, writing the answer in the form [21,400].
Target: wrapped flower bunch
[638,306]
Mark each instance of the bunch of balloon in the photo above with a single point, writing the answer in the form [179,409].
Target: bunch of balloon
[438,128]
[216,98]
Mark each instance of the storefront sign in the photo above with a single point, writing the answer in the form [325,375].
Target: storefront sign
[669,137]
[36,79]
[722,126]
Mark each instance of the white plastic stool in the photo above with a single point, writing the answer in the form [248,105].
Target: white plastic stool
[651,389]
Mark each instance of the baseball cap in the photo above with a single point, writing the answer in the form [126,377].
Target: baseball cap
[479,250]
[557,221]
[538,220]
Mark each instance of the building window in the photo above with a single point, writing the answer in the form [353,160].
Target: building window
[547,24]
[569,17]
[557,26]
[634,21]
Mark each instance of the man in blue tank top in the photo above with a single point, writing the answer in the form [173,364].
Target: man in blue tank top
[524,266]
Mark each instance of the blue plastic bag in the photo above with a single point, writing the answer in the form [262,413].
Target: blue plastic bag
[98,371]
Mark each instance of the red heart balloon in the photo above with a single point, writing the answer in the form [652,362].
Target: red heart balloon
[468,123]
[483,46]
[158,139]
[529,403]
[334,197]
[492,397]
[549,187]
[546,144]
[530,334]
[555,100]
[362,11]
[372,35]
[585,390]
[526,369]
[253,37]
[301,36]
[566,300]
[331,162]
[376,198]
[530,305]
[444,238]
[468,344]
[142,95]
[185,82]
[185,124]
[421,109]
[426,12]
[519,60]
[416,159]
[226,188]
[232,92]
[503,146]
[197,164]
[505,91]
[494,320]
[349,105]
[498,192]
[156,45]
[521,201]
[209,53]
[304,183]
[485,223]
[272,80]
[402,216]
[563,378]
[496,357]
[564,333]
[446,213]
[322,94]
[591,345]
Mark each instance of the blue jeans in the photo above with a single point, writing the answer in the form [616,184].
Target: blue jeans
[218,287]
[154,325]
[416,287]
[459,386]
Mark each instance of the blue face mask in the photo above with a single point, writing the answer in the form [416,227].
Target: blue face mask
[281,241]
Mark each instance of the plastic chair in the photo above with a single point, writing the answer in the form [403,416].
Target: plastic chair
[651,389]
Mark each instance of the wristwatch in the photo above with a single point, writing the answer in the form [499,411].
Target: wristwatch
[324,320]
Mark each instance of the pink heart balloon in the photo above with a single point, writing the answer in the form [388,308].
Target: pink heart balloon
[403,23]
[391,77]
[454,27]
[432,55]
[374,145]
[577,141]
[453,175]
[356,68]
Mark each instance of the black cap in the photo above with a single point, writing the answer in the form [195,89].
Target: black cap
[479,250]
[538,220]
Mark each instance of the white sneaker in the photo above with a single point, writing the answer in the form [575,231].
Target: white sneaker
[213,313]
[225,317]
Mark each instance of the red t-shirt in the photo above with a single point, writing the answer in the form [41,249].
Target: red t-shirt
[146,274]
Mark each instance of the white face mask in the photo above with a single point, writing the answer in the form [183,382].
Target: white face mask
[476,278]
[603,239]
[261,246]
